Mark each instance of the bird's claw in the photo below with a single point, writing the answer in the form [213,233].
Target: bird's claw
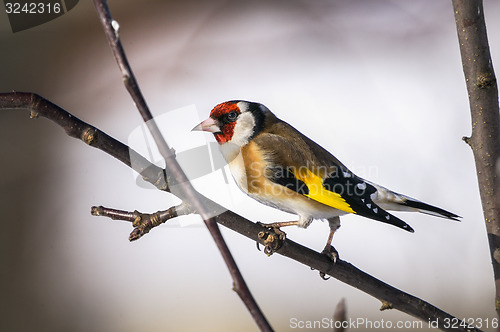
[333,255]
[272,239]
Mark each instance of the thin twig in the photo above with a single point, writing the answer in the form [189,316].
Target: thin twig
[187,192]
[483,99]
[340,317]
[342,270]
[142,222]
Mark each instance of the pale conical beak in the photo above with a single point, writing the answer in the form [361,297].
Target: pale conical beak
[209,125]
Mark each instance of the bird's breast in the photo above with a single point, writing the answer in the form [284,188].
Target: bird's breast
[249,169]
[247,165]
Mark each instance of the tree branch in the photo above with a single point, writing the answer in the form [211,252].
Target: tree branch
[341,270]
[186,191]
[142,222]
[483,99]
[89,134]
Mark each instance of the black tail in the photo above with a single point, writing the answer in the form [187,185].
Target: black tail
[429,209]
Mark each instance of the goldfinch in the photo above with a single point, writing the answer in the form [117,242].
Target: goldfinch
[278,166]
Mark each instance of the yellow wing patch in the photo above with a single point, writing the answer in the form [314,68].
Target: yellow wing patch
[318,192]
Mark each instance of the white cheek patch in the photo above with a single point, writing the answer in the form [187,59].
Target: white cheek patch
[243,129]
[243,106]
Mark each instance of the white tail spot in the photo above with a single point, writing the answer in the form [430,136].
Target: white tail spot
[361,186]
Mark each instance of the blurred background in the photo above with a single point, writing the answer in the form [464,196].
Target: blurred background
[377,83]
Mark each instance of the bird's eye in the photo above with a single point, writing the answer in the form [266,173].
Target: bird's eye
[232,116]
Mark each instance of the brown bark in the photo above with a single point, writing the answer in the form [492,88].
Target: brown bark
[483,99]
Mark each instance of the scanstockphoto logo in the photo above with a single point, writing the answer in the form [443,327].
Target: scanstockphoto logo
[28,14]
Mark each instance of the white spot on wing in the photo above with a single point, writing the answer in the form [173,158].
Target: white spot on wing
[361,186]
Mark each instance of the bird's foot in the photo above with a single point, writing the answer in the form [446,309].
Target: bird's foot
[333,255]
[272,239]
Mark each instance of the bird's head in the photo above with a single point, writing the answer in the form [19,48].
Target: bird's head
[235,121]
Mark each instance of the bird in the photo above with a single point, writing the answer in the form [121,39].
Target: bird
[275,164]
